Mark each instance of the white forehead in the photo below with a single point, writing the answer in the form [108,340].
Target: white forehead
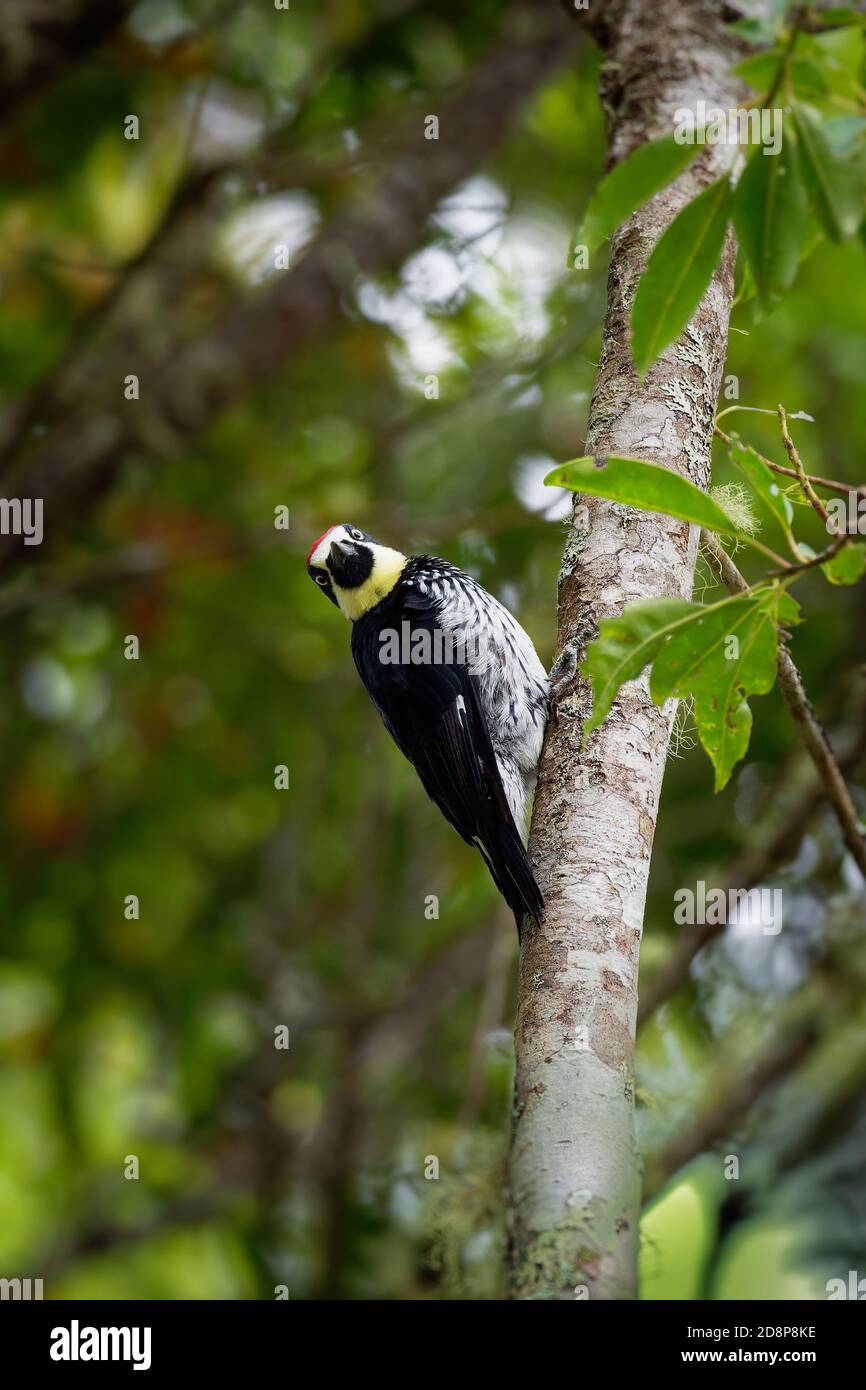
[320,554]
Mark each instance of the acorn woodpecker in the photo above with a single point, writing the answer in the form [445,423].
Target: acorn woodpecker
[458,685]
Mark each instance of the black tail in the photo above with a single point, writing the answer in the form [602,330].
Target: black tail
[512,873]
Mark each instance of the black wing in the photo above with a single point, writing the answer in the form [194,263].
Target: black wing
[434,715]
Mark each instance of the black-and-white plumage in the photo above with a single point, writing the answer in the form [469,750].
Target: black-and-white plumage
[458,685]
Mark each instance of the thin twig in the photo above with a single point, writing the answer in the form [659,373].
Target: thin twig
[802,475]
[830,483]
[784,67]
[823,555]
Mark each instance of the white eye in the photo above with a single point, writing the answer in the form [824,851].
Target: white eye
[356,534]
[323,580]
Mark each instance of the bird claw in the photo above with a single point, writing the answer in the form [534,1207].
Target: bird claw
[564,668]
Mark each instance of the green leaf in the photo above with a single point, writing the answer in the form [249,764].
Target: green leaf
[845,134]
[761,69]
[755,30]
[720,654]
[645,485]
[747,289]
[843,15]
[788,611]
[727,654]
[763,29]
[678,273]
[769,215]
[832,184]
[625,645]
[650,167]
[847,565]
[763,480]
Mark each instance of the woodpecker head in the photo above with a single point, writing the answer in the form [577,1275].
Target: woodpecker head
[353,570]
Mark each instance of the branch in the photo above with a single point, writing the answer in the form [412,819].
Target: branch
[800,566]
[755,868]
[797,465]
[389,1037]
[751,870]
[192,195]
[830,484]
[255,338]
[383,1037]
[723,1119]
[41,403]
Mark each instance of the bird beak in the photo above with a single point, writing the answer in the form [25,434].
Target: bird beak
[340,552]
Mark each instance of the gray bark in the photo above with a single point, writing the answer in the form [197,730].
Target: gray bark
[574,1170]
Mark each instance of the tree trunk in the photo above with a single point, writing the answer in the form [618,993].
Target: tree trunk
[574,1169]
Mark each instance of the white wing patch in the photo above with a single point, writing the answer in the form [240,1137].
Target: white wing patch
[512,682]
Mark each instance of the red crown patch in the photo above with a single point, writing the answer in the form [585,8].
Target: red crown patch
[318,542]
